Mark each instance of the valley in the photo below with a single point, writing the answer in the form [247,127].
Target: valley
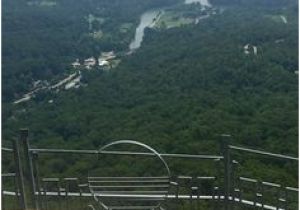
[160,18]
[182,74]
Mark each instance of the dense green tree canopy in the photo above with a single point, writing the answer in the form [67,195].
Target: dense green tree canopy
[177,93]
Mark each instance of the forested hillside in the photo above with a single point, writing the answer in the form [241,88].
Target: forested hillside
[235,72]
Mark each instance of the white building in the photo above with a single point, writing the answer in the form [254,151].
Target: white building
[255,50]
[76,63]
[89,62]
[108,55]
[102,62]
[247,49]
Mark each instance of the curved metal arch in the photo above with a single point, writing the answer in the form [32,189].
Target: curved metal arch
[132,142]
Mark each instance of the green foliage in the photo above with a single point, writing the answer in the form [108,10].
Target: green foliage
[177,93]
[40,42]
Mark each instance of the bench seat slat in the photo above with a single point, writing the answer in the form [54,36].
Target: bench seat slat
[131,177]
[149,200]
[129,181]
[129,186]
[132,192]
[132,207]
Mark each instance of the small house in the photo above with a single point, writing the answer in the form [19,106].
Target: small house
[76,63]
[89,62]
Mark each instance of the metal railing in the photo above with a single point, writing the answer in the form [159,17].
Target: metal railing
[226,189]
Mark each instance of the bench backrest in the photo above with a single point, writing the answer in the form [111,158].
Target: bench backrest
[131,192]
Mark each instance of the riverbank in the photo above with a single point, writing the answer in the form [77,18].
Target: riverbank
[168,17]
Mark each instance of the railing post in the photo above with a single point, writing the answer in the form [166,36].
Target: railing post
[28,169]
[227,168]
[19,174]
[37,179]
[2,195]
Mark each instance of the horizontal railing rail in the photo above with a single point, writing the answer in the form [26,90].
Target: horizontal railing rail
[5,149]
[8,175]
[260,152]
[92,152]
[171,197]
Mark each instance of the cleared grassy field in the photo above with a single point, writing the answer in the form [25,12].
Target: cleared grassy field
[172,19]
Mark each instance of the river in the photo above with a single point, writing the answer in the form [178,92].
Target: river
[148,20]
